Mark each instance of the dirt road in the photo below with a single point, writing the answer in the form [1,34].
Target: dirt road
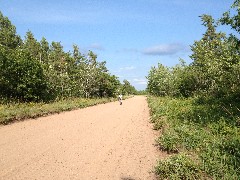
[106,141]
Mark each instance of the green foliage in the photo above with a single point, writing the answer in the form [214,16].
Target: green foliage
[127,88]
[158,123]
[159,80]
[18,111]
[21,77]
[8,37]
[215,61]
[142,92]
[42,71]
[233,21]
[178,81]
[206,124]
[169,141]
[108,85]
[214,71]
[205,129]
[178,166]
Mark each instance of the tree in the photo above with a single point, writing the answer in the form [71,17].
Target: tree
[213,61]
[183,80]
[108,85]
[8,37]
[57,71]
[127,88]
[32,46]
[35,71]
[215,70]
[232,21]
[44,52]
[21,77]
[159,80]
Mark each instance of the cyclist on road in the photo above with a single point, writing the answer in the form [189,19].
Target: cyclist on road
[120,99]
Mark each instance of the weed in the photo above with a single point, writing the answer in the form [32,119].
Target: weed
[10,112]
[169,141]
[205,127]
[178,166]
[159,123]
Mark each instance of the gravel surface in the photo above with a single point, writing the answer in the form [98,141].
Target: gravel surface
[106,141]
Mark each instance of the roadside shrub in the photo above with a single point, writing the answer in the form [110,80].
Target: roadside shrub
[18,111]
[169,141]
[189,137]
[178,166]
[159,123]
[204,129]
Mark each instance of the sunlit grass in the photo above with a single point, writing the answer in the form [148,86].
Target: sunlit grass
[18,111]
[204,132]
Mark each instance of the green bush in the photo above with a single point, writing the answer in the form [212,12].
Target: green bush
[201,128]
[169,141]
[158,123]
[18,111]
[178,166]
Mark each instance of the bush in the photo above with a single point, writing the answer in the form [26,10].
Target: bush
[19,111]
[178,166]
[158,123]
[21,77]
[202,128]
[169,141]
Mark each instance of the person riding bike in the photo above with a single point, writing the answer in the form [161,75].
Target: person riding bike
[120,99]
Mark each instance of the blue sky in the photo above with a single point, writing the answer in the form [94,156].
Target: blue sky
[131,35]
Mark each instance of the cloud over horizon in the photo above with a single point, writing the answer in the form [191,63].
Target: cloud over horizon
[127,68]
[164,49]
[140,81]
[96,46]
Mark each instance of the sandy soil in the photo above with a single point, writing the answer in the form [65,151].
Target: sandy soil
[106,141]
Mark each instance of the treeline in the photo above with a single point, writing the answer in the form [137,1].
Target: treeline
[198,106]
[32,70]
[215,70]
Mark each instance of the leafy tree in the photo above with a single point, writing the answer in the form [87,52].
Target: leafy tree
[214,71]
[8,37]
[35,71]
[232,19]
[213,61]
[159,80]
[21,77]
[57,71]
[234,22]
[127,88]
[32,46]
[44,52]
[183,80]
[108,85]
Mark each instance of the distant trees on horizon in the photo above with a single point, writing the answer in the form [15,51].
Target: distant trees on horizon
[215,70]
[32,70]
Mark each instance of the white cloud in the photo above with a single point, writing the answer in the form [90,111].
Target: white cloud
[164,49]
[140,81]
[96,46]
[57,14]
[89,12]
[129,50]
[127,68]
[123,70]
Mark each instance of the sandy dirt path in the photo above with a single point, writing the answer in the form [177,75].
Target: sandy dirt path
[106,141]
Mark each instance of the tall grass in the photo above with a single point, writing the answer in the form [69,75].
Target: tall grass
[206,132]
[10,112]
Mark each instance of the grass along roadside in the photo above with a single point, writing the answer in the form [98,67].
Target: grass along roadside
[203,139]
[19,111]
